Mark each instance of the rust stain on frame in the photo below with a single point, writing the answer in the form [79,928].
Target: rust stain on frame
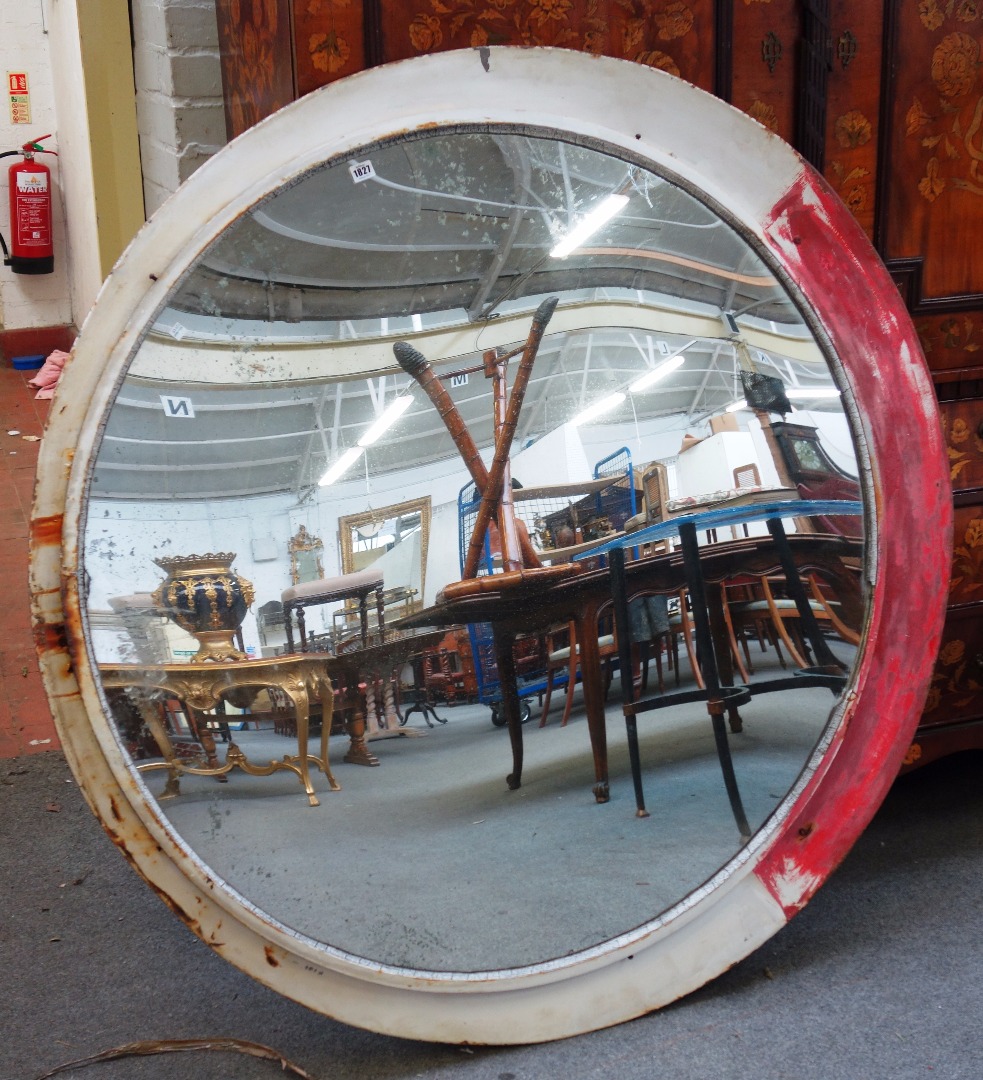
[46,531]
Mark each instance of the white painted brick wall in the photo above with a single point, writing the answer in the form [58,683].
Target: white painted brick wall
[180,115]
[29,301]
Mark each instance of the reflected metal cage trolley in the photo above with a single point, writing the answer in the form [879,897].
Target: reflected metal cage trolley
[559,518]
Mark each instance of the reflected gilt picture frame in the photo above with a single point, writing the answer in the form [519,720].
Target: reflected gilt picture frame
[350,524]
[306,557]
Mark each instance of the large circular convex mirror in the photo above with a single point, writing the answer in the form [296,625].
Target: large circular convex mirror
[484,542]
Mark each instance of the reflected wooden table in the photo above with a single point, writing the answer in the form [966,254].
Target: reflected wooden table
[707,609]
[538,603]
[204,685]
[359,673]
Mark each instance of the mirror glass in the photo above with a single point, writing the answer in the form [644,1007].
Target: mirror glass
[339,363]
[306,562]
[394,539]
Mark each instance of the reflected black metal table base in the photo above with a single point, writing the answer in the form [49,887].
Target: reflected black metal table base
[421,705]
[719,699]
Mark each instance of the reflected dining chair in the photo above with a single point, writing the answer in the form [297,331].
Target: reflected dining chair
[563,654]
[783,615]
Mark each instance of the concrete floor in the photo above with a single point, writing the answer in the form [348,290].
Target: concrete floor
[877,979]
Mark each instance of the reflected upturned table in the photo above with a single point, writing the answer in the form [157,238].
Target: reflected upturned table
[204,685]
[537,602]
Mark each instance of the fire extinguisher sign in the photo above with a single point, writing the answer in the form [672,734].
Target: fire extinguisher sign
[20,97]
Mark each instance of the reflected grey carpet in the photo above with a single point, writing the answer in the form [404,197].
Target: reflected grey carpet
[880,977]
[429,861]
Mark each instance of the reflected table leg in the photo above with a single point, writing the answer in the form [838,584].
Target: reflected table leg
[386,723]
[592,684]
[203,733]
[511,706]
[718,698]
[622,623]
[158,730]
[358,752]
[301,763]
[825,659]
[717,703]
[297,690]
[326,694]
[720,636]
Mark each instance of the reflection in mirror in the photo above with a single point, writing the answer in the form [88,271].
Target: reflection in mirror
[305,557]
[355,360]
[395,540]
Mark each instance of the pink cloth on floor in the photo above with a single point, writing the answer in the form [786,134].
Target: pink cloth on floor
[48,375]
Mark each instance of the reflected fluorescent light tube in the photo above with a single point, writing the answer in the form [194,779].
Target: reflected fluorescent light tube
[588,225]
[341,466]
[386,420]
[598,408]
[650,378]
[736,406]
[801,393]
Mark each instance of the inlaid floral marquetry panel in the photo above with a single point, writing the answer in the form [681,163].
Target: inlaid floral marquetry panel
[935,179]
[763,59]
[674,35]
[957,681]
[328,41]
[961,424]
[853,104]
[966,583]
[257,67]
[952,341]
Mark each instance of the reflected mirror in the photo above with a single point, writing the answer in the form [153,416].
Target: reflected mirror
[395,539]
[306,563]
[421,328]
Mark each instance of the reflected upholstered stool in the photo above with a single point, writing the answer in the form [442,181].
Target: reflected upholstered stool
[323,591]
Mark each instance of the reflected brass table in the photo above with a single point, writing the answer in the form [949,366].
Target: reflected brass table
[204,685]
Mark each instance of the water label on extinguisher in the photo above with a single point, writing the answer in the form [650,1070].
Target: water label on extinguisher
[32,183]
[33,228]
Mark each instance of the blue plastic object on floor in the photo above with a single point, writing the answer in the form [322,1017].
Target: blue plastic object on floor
[27,363]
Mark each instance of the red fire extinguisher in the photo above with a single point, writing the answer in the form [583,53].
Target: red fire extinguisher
[31,250]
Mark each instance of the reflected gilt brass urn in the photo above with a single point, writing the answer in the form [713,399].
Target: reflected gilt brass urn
[206,597]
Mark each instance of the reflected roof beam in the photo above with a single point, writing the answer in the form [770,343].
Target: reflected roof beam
[187,363]
[519,164]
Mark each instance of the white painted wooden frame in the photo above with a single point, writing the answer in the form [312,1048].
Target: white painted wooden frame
[810,241]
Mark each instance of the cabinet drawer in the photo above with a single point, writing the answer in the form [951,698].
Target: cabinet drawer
[966,584]
[962,425]
[956,691]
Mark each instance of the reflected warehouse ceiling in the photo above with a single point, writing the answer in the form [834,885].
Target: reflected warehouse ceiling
[448,242]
